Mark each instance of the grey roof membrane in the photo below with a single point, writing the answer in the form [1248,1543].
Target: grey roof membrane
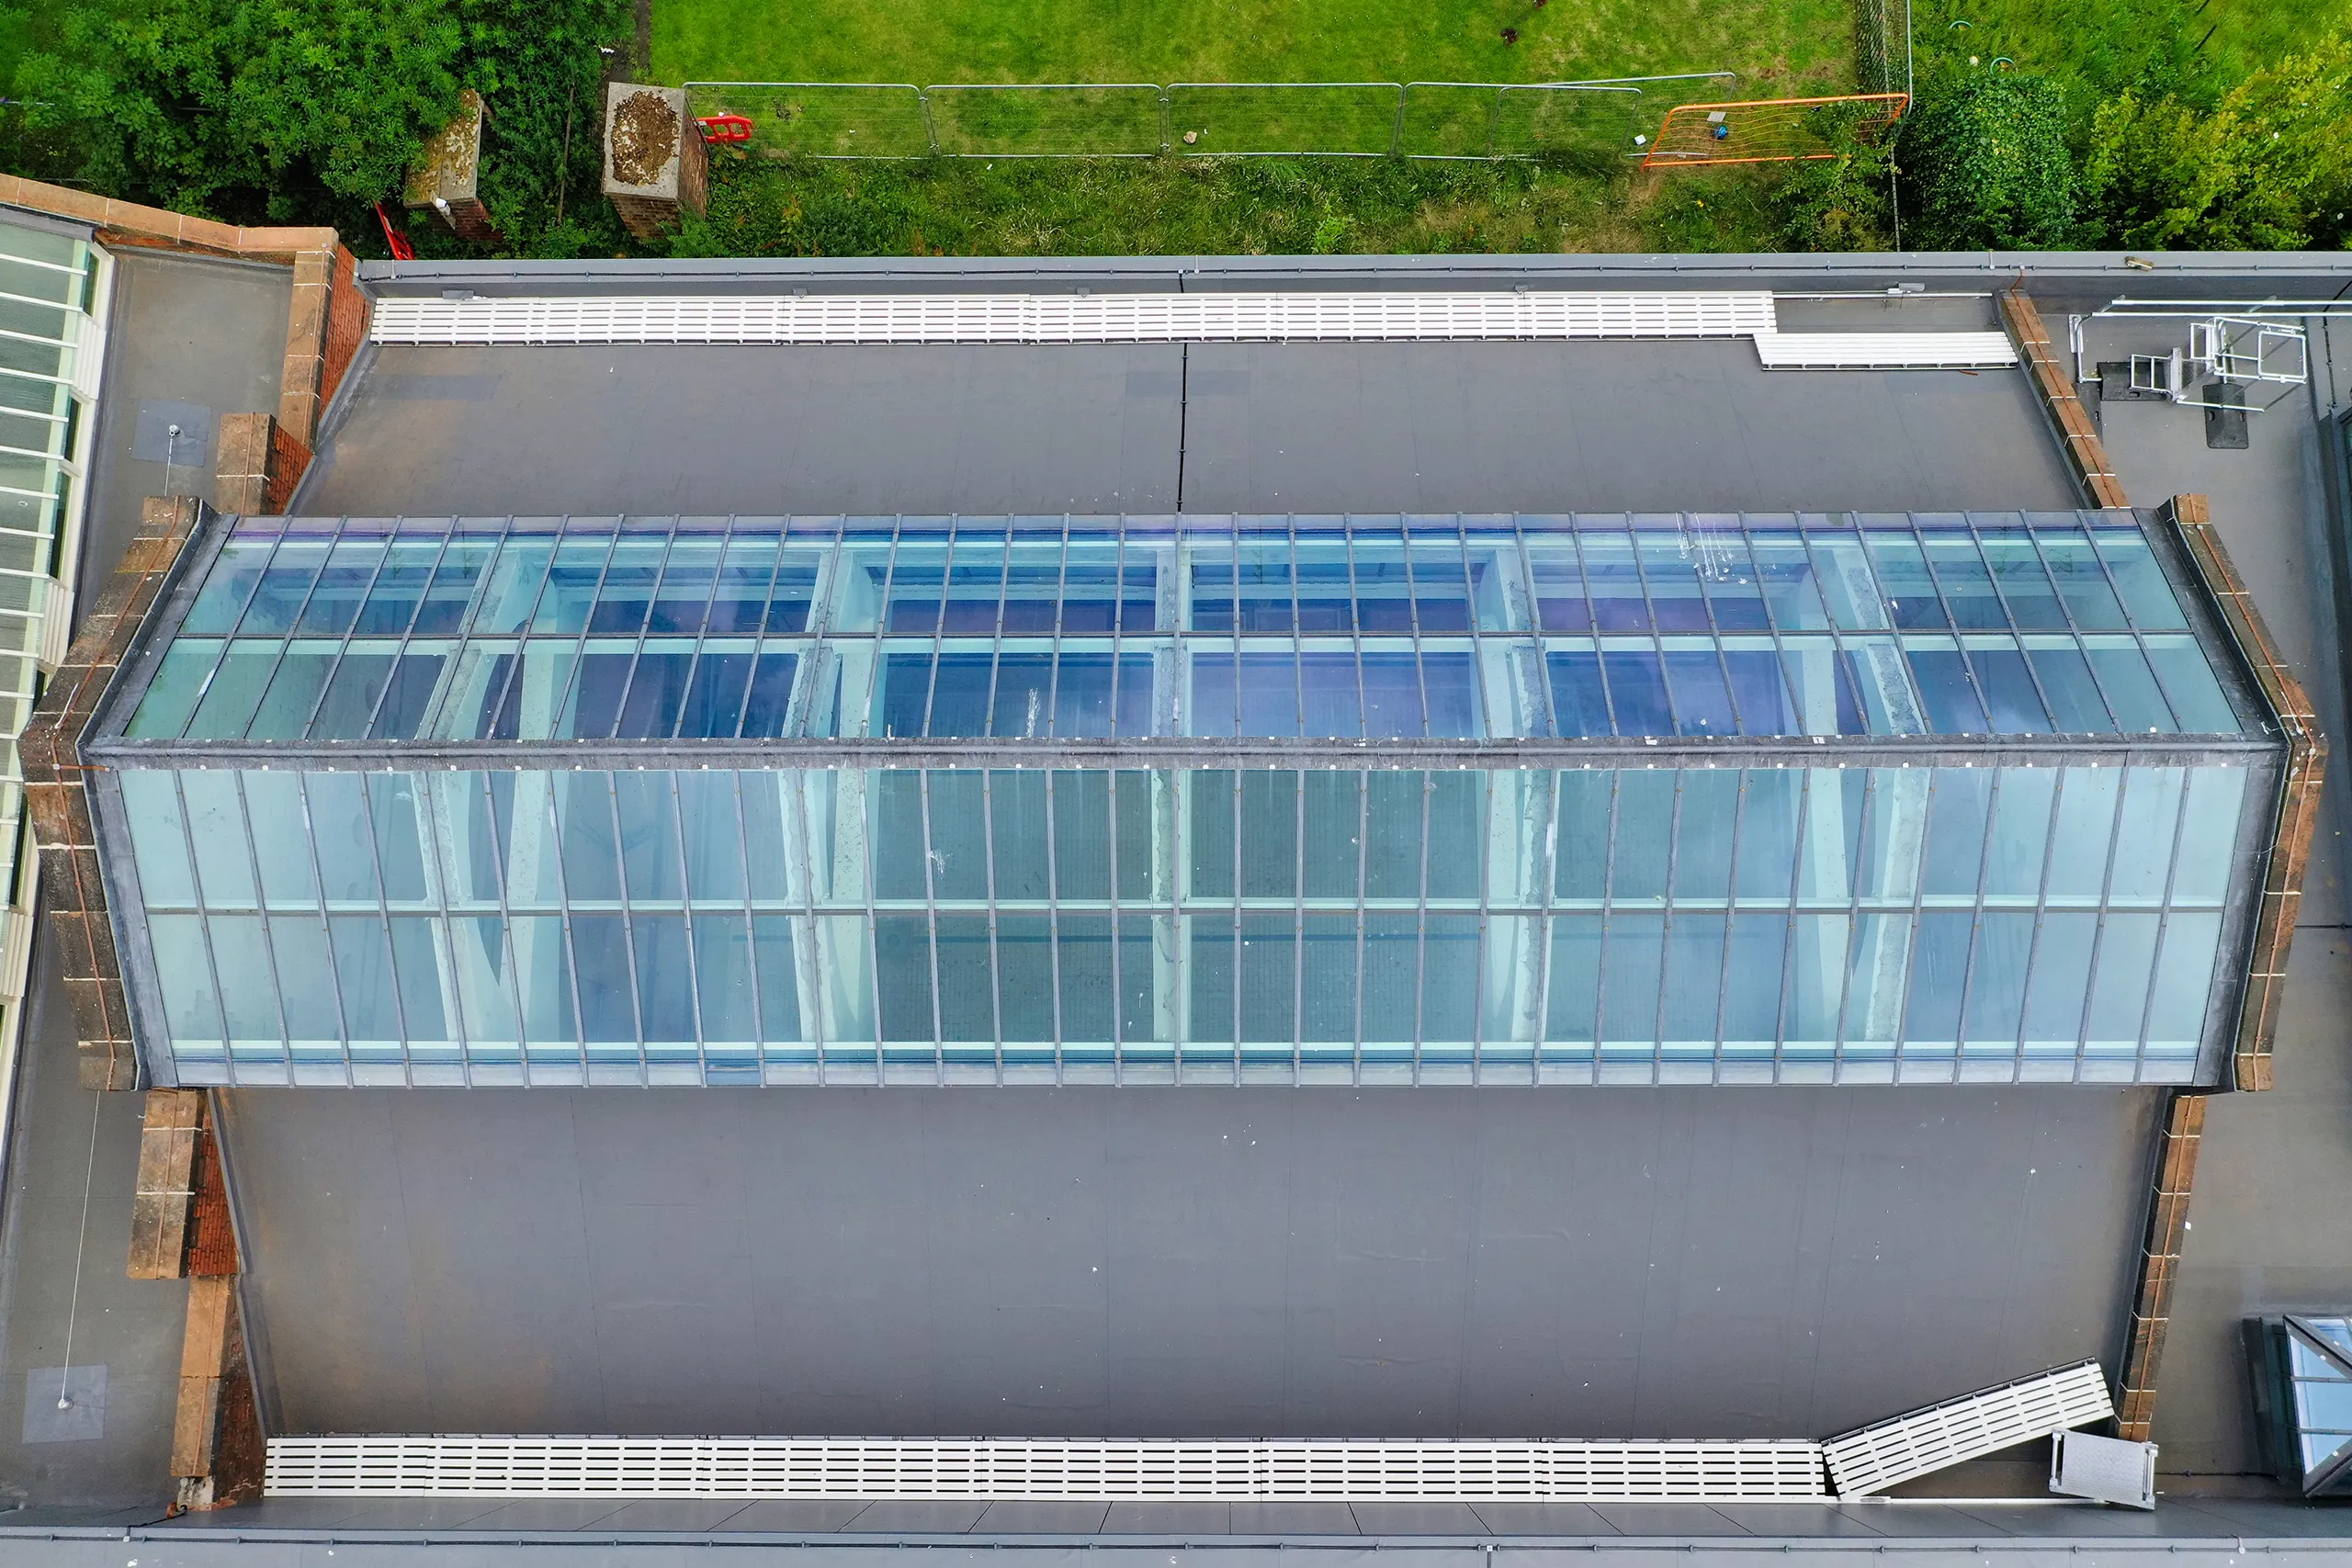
[1128,1261]
[1688,426]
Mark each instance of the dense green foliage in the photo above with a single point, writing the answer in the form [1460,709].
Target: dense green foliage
[1985,164]
[2268,166]
[305,109]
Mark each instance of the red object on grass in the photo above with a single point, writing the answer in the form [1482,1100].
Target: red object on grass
[726,127]
[401,250]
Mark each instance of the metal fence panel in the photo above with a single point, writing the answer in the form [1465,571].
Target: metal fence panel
[825,120]
[1359,120]
[1049,121]
[1248,120]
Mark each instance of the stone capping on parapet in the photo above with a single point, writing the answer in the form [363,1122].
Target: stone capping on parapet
[327,321]
[2086,454]
[2175,1176]
[2299,796]
[74,914]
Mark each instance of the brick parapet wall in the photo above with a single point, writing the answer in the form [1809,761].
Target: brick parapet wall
[129,223]
[327,320]
[73,899]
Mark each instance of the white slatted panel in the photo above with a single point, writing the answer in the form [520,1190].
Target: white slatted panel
[1398,315]
[1883,351]
[1890,1452]
[1041,1469]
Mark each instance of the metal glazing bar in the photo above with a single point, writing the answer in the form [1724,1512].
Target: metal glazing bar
[326,927]
[988,856]
[268,944]
[931,927]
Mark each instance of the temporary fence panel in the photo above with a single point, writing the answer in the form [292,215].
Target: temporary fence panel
[825,120]
[1056,120]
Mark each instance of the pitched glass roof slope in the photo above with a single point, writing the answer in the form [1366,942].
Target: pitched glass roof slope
[2317,1429]
[1823,924]
[1472,628]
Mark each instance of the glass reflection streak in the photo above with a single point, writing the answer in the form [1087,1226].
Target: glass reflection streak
[1858,901]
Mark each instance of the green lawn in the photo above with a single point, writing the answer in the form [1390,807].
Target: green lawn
[1777,46]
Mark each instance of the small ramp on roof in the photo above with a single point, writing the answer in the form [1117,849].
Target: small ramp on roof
[1888,1453]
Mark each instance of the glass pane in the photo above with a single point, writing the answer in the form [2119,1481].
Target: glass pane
[2183,982]
[1573,981]
[2144,839]
[1996,980]
[2189,683]
[216,821]
[1703,834]
[2146,594]
[1957,813]
[1643,837]
[2130,687]
[2127,952]
[282,844]
[150,804]
[1632,983]
[2060,981]
[2084,832]
[2208,834]
[184,970]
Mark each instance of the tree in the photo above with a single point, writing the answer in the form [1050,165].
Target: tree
[2268,167]
[310,109]
[1984,165]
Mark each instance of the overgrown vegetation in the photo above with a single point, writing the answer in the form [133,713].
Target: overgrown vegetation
[1212,206]
[311,110]
[2135,123]
[1986,166]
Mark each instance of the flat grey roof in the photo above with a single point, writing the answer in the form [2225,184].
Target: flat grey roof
[1689,425]
[1175,1262]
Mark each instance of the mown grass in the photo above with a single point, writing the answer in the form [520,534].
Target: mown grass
[1775,45]
[1222,206]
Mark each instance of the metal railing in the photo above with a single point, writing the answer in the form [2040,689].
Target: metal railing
[1465,120]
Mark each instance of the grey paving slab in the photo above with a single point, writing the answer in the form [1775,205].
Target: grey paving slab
[917,1519]
[492,432]
[417,1513]
[1692,425]
[1657,1520]
[1418,1518]
[1042,1518]
[1432,1262]
[273,1513]
[1293,1518]
[191,340]
[1168,1518]
[1806,1518]
[796,1514]
[693,1514]
[549,1514]
[1543,1518]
